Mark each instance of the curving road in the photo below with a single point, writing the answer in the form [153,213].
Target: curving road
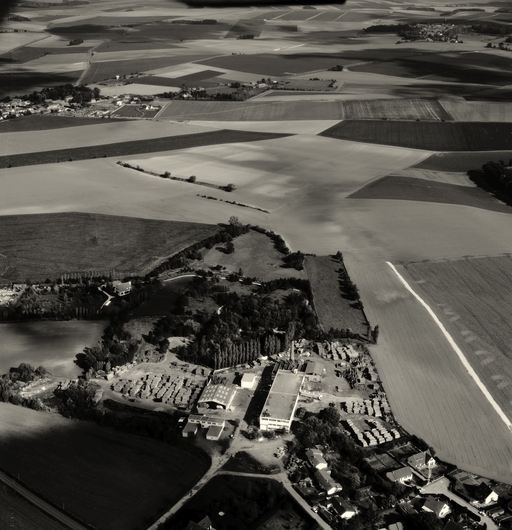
[41,504]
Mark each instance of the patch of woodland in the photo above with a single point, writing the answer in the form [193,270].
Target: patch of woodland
[496,179]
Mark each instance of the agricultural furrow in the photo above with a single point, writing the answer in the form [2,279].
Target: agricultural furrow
[430,392]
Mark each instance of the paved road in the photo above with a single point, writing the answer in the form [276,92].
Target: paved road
[441,487]
[42,505]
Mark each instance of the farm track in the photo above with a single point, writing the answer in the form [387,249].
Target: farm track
[430,392]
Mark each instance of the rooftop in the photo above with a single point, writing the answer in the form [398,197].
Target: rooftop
[283,395]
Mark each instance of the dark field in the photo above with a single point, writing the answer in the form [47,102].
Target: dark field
[462,161]
[481,68]
[133,44]
[332,306]
[242,500]
[21,83]
[153,145]
[109,479]
[26,53]
[47,245]
[413,189]
[43,123]
[431,136]
[275,65]
[16,512]
[109,69]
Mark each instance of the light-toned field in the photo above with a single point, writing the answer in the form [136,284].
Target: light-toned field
[463,110]
[457,178]
[111,480]
[474,296]
[135,89]
[88,135]
[430,392]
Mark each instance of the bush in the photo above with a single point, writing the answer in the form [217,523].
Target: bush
[192,178]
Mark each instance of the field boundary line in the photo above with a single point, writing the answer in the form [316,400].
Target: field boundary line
[457,350]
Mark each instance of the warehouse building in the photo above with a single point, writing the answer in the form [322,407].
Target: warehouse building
[281,402]
[216,397]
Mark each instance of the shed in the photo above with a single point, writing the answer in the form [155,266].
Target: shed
[214,432]
[314,368]
[248,381]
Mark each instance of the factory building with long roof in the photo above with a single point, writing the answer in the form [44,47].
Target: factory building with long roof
[281,402]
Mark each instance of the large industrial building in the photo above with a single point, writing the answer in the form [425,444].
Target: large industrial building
[281,402]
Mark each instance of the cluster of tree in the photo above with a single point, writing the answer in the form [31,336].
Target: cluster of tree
[75,42]
[208,21]
[117,347]
[240,94]
[349,467]
[80,94]
[12,383]
[248,36]
[233,229]
[242,331]
[294,260]
[244,500]
[490,28]
[79,299]
[495,178]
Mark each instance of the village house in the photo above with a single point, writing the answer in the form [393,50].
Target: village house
[421,461]
[343,508]
[121,288]
[404,474]
[484,495]
[316,458]
[326,482]
[433,505]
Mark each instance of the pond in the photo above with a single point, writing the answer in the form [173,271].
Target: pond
[50,344]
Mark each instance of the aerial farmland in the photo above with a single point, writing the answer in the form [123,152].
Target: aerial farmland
[130,132]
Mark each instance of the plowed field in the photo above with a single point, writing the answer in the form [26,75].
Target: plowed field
[429,390]
[270,110]
[474,298]
[106,478]
[415,189]
[432,136]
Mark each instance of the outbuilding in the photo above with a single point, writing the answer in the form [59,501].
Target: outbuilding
[248,381]
[214,432]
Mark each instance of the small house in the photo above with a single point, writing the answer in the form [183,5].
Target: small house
[421,461]
[343,508]
[248,381]
[433,505]
[214,433]
[190,429]
[122,288]
[326,482]
[484,494]
[316,459]
[404,474]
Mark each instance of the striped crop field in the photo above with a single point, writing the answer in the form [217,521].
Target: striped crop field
[473,298]
[268,110]
[430,392]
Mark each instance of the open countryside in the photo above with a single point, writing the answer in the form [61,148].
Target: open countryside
[227,188]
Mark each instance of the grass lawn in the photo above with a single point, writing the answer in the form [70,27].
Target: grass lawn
[168,143]
[333,308]
[111,480]
[431,136]
[415,189]
[255,255]
[47,245]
